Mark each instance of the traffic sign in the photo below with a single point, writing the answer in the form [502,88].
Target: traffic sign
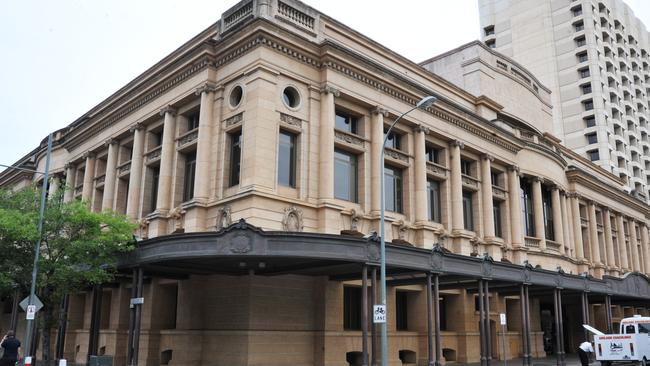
[39,305]
[379,314]
[31,312]
[503,318]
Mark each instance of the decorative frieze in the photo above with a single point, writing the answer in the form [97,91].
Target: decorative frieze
[349,138]
[292,220]
[291,120]
[236,119]
[498,192]
[100,180]
[153,155]
[188,138]
[124,168]
[396,154]
[469,182]
[436,169]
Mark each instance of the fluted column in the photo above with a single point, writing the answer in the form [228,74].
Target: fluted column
[55,184]
[538,208]
[166,159]
[111,174]
[593,235]
[567,226]
[633,246]
[204,143]
[135,174]
[70,177]
[577,227]
[456,183]
[376,141]
[420,174]
[609,243]
[622,248]
[645,248]
[89,176]
[558,223]
[326,143]
[517,237]
[486,194]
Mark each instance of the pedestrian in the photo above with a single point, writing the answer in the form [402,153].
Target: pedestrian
[11,348]
[584,351]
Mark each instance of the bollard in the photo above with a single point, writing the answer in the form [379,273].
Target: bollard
[63,362]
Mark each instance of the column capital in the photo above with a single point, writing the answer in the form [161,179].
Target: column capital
[575,195]
[88,155]
[379,110]
[110,141]
[168,109]
[487,157]
[207,87]
[136,127]
[539,179]
[328,89]
[69,165]
[458,143]
[514,168]
[421,128]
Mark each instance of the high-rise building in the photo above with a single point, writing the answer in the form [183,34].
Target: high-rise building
[594,56]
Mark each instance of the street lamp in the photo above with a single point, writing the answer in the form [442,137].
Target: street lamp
[423,103]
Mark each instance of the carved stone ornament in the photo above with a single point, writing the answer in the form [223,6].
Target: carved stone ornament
[240,244]
[231,121]
[290,120]
[401,230]
[292,220]
[458,143]
[328,89]
[486,266]
[178,215]
[379,110]
[474,242]
[110,141]
[143,228]
[88,155]
[421,128]
[488,157]
[373,252]
[206,88]
[437,257]
[168,109]
[224,218]
[136,127]
[354,220]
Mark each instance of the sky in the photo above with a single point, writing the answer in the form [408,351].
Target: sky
[58,59]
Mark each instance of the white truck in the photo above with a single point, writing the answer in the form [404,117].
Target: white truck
[631,345]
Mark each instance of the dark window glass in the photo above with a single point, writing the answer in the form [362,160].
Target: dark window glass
[527,208]
[466,167]
[577,11]
[579,26]
[496,211]
[468,211]
[287,159]
[351,308]
[593,155]
[548,214]
[589,105]
[584,73]
[345,175]
[433,197]
[586,89]
[393,141]
[592,138]
[494,178]
[155,177]
[235,157]
[583,57]
[489,30]
[193,121]
[156,138]
[580,42]
[433,154]
[401,310]
[346,122]
[188,180]
[393,187]
[590,121]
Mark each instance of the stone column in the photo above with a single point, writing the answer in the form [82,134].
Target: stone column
[55,184]
[326,143]
[204,143]
[517,236]
[577,227]
[166,159]
[593,235]
[622,248]
[609,243]
[89,176]
[376,141]
[645,248]
[70,176]
[456,185]
[111,174]
[135,174]
[486,194]
[633,246]
[558,224]
[538,208]
[567,226]
[421,206]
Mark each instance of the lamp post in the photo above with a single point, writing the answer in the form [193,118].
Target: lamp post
[423,103]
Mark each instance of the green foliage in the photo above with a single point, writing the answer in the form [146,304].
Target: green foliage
[78,247]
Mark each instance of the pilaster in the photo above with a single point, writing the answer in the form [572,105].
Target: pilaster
[166,159]
[558,223]
[633,246]
[70,176]
[135,175]
[420,171]
[111,173]
[539,213]
[456,184]
[89,175]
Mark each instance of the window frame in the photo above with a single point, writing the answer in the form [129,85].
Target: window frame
[353,180]
[468,211]
[234,173]
[189,176]
[433,201]
[289,181]
[396,174]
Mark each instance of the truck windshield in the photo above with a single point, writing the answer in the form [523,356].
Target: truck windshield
[629,329]
[644,327]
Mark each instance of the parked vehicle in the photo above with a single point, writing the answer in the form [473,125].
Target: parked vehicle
[630,345]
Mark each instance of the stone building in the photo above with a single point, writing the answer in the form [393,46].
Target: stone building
[593,55]
[250,157]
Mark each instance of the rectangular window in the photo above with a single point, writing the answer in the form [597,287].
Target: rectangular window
[466,167]
[584,73]
[433,198]
[432,154]
[582,57]
[235,158]
[527,208]
[393,187]
[577,11]
[287,159]
[345,175]
[401,310]
[155,177]
[580,41]
[494,179]
[468,211]
[589,105]
[579,26]
[346,122]
[193,121]
[496,212]
[593,155]
[586,89]
[548,214]
[489,30]
[156,139]
[590,121]
[188,180]
[393,141]
[351,308]
[592,138]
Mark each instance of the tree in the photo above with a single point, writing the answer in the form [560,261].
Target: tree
[79,248]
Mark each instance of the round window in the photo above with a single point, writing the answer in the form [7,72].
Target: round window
[236,95]
[291,97]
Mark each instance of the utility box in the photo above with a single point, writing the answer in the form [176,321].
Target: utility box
[100,361]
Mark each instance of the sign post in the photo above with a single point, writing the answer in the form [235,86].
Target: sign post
[502,317]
